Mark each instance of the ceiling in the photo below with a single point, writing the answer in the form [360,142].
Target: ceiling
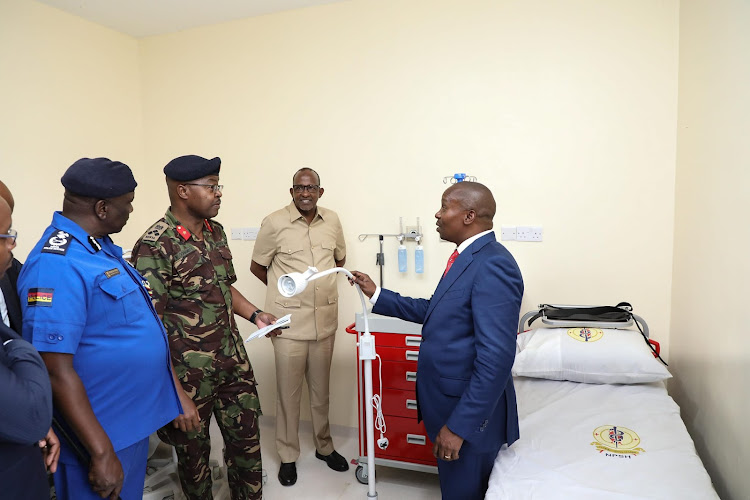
[140,18]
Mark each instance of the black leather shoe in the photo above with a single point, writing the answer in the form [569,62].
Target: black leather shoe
[334,461]
[288,474]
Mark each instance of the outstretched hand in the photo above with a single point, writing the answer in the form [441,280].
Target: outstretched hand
[365,283]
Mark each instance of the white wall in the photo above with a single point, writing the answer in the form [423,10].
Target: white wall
[69,89]
[566,110]
[710,356]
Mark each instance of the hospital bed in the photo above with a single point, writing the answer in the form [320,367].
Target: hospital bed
[595,418]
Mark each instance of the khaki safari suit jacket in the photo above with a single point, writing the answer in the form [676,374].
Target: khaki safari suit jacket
[287,244]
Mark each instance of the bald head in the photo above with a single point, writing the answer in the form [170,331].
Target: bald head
[466,209]
[6,246]
[477,197]
[6,195]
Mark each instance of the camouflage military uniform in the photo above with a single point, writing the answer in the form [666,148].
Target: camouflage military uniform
[191,282]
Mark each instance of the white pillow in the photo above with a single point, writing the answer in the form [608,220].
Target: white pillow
[589,355]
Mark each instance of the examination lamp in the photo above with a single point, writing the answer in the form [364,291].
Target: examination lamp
[293,284]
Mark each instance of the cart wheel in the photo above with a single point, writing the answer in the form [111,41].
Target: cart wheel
[361,474]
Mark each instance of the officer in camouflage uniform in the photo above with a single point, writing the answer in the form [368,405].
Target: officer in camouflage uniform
[188,264]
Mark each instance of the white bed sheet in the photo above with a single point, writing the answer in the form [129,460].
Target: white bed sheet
[557,457]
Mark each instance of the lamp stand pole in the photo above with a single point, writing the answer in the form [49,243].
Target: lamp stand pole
[366,355]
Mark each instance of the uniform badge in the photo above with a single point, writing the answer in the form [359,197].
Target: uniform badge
[58,243]
[111,272]
[148,288]
[183,232]
[40,297]
[155,232]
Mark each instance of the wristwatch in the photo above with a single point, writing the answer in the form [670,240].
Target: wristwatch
[254,315]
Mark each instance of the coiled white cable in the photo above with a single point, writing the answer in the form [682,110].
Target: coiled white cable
[377,401]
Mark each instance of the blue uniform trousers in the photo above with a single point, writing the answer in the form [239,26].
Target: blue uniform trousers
[72,481]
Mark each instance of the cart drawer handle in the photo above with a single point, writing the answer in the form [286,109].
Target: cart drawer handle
[412,355]
[413,341]
[411,404]
[411,376]
[416,439]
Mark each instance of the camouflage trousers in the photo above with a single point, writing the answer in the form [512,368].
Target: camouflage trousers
[231,396]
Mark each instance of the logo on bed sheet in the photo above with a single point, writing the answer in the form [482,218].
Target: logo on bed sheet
[613,440]
[40,297]
[586,334]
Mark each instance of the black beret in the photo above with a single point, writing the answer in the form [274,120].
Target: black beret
[191,167]
[99,178]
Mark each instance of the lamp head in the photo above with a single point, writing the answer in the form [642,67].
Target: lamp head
[294,283]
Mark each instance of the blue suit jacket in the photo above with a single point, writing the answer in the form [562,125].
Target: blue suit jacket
[468,346]
[26,415]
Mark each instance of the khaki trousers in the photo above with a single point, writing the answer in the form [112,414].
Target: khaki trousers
[295,360]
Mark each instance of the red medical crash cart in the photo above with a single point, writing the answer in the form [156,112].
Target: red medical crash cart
[397,345]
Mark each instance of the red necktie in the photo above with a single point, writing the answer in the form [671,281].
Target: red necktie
[450,262]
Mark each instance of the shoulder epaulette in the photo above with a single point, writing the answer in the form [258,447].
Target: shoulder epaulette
[58,243]
[155,232]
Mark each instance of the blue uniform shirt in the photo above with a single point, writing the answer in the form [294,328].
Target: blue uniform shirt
[79,296]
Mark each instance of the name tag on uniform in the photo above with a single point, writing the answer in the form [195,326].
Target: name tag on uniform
[111,272]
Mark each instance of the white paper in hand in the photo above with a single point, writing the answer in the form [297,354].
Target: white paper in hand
[280,322]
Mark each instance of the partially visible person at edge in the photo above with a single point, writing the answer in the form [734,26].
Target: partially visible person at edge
[10,304]
[186,258]
[10,313]
[90,315]
[25,400]
[465,389]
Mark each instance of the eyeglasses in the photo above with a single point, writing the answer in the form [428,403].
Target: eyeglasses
[12,235]
[214,187]
[312,188]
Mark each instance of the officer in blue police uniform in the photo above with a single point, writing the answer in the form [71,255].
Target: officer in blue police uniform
[89,314]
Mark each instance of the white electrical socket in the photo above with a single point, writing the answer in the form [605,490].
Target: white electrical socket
[529,233]
[508,233]
[236,233]
[250,233]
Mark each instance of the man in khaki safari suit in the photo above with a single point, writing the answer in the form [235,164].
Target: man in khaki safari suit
[300,235]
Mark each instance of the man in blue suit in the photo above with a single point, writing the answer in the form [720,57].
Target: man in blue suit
[464,386]
[25,400]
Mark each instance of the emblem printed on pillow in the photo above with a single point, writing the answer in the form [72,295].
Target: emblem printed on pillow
[586,334]
[613,440]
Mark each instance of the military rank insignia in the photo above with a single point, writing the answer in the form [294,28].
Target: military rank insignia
[155,232]
[58,243]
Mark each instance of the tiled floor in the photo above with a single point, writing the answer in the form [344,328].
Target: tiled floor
[316,481]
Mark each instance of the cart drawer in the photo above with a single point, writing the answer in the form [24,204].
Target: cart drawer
[397,340]
[398,353]
[398,375]
[399,403]
[407,442]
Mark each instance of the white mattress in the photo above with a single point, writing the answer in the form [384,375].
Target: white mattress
[557,456]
